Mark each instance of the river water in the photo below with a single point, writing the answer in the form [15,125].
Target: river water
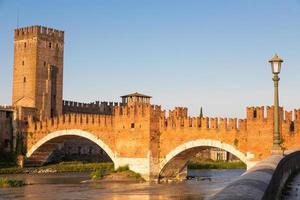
[74,186]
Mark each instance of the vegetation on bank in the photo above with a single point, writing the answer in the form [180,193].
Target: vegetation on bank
[5,182]
[122,173]
[216,165]
[61,167]
[98,170]
[79,167]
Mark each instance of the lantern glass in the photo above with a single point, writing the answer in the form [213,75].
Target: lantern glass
[276,67]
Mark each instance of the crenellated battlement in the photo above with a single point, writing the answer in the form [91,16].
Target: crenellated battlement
[34,31]
[266,114]
[97,107]
[178,118]
[135,110]
[178,112]
[257,113]
[70,121]
[297,115]
[206,123]
[257,116]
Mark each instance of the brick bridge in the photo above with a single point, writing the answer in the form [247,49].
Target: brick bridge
[133,132]
[141,136]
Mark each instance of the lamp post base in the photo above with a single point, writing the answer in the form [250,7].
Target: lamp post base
[277,150]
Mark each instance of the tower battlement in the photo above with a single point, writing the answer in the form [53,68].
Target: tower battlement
[132,110]
[34,31]
[262,113]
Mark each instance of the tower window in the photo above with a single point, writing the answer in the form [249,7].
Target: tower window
[254,114]
[292,127]
[24,79]
[50,44]
[44,63]
[24,44]
[23,62]
[132,125]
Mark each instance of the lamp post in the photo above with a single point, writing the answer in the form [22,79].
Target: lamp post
[276,67]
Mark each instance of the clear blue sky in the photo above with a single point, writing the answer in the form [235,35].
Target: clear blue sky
[182,52]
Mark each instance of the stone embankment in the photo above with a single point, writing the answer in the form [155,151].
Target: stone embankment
[264,181]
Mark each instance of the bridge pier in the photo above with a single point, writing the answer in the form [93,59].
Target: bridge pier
[138,165]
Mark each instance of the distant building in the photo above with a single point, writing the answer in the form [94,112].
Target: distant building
[216,154]
[7,138]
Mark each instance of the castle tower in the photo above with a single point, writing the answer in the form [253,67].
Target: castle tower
[38,70]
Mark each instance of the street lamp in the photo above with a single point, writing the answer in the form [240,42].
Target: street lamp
[276,67]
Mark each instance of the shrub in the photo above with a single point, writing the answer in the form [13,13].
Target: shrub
[80,167]
[134,175]
[123,168]
[98,174]
[4,182]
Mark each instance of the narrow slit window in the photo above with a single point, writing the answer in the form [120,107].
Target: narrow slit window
[24,79]
[254,114]
[292,127]
[132,125]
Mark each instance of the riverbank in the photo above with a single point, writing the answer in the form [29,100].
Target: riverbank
[59,168]
[123,173]
[108,168]
[216,165]
[5,183]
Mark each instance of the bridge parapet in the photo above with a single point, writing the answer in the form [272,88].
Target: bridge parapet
[265,180]
[70,121]
[213,123]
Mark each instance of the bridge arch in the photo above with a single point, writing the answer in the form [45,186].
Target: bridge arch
[182,153]
[73,132]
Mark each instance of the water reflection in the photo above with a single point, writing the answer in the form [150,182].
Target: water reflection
[73,186]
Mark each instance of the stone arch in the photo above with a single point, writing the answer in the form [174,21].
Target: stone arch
[73,132]
[179,150]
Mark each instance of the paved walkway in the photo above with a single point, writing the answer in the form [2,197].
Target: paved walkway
[292,189]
